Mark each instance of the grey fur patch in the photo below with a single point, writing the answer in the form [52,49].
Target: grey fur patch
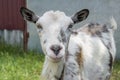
[91,25]
[74,32]
[105,29]
[67,56]
[62,35]
[110,54]
[45,41]
[56,78]
[79,60]
[95,29]
[59,38]
[110,61]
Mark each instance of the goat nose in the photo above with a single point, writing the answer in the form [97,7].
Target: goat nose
[56,49]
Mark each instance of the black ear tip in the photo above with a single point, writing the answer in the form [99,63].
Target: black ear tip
[22,8]
[86,10]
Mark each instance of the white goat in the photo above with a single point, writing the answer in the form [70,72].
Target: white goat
[83,54]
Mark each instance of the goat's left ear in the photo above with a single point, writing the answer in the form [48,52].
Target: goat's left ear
[80,16]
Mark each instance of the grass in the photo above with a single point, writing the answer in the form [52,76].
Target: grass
[116,71]
[18,65]
[15,64]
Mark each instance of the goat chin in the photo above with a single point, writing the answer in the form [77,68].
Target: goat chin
[55,60]
[52,70]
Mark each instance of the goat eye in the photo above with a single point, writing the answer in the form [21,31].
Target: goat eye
[39,26]
[70,26]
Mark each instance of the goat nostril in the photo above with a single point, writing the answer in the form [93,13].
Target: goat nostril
[56,49]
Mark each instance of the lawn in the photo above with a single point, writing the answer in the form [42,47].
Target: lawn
[116,71]
[15,64]
[18,65]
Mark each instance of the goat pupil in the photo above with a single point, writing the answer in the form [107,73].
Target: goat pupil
[70,26]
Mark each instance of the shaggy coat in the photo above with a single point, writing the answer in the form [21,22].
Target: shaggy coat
[91,53]
[83,54]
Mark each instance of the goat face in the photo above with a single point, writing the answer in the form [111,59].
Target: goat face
[54,30]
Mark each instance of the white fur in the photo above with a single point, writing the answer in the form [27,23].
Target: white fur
[52,70]
[52,22]
[113,23]
[83,54]
[96,56]
[94,51]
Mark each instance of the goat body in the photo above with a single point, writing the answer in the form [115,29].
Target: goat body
[91,52]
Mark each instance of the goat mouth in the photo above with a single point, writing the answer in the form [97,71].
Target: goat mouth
[55,59]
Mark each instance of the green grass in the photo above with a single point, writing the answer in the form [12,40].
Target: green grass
[116,71]
[15,64]
[18,65]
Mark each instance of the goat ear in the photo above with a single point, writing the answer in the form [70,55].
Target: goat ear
[80,16]
[29,15]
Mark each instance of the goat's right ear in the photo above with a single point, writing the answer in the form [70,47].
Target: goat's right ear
[29,15]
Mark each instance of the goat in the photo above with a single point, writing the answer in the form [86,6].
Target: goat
[83,54]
